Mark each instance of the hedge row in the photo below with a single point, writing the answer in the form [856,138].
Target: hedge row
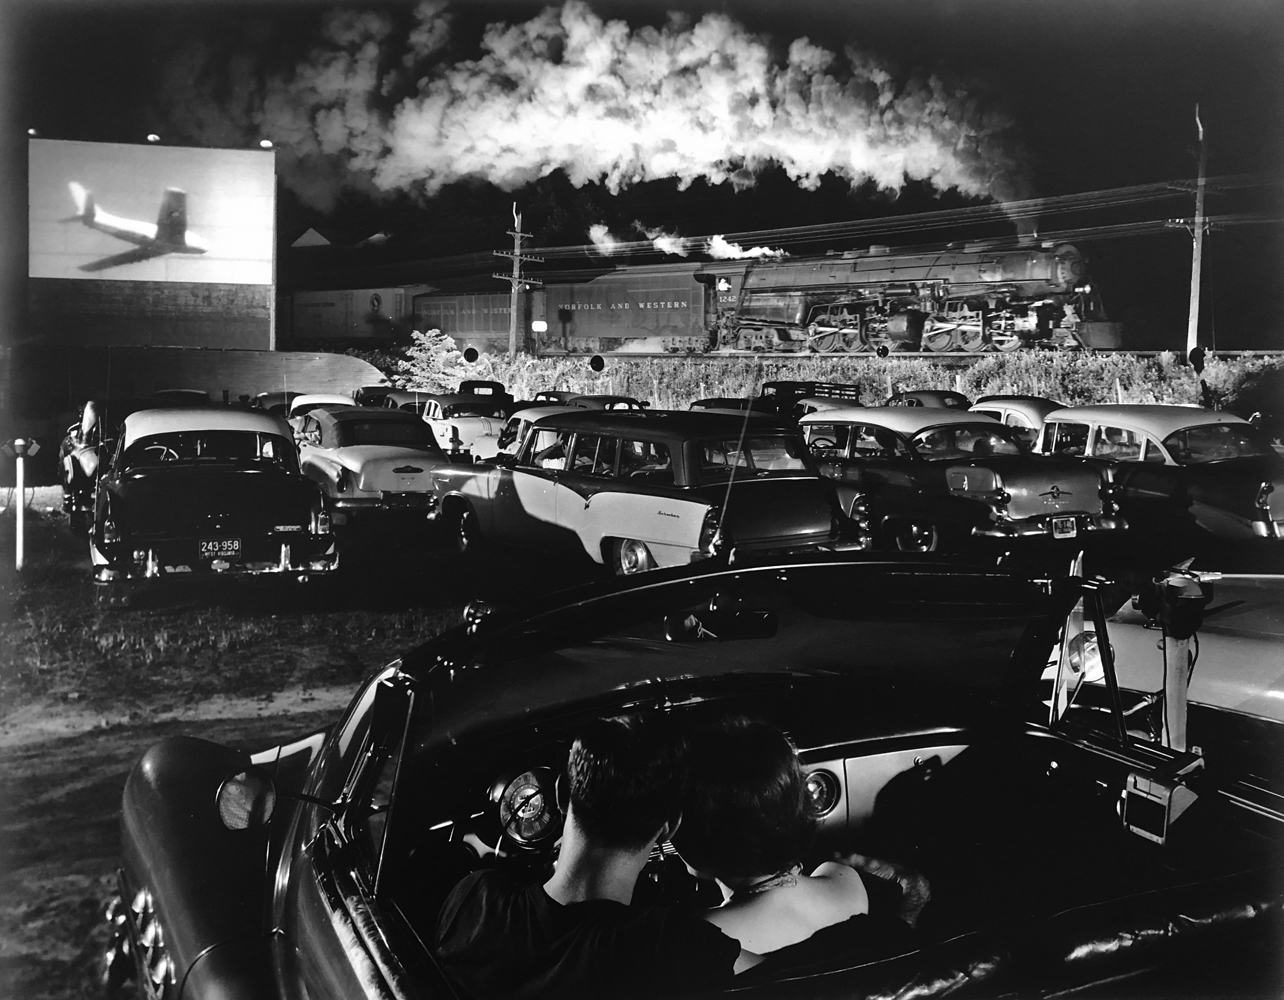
[434,364]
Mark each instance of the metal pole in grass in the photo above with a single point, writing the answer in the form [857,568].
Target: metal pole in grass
[19,449]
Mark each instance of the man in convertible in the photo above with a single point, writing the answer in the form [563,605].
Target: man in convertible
[576,934]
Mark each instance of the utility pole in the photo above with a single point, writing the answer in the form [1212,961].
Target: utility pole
[516,277]
[1192,323]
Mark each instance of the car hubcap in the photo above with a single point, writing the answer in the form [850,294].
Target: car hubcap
[634,557]
[915,537]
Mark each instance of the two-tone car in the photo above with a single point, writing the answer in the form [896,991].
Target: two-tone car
[935,478]
[206,492]
[1065,857]
[371,464]
[456,419]
[636,491]
[1024,414]
[1179,466]
[486,447]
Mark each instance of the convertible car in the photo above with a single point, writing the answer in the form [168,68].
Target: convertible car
[1065,857]
[206,492]
[936,478]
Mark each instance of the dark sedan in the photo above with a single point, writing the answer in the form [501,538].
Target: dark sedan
[1179,466]
[1065,857]
[935,478]
[202,493]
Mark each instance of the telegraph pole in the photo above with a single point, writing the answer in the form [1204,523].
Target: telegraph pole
[1192,323]
[516,278]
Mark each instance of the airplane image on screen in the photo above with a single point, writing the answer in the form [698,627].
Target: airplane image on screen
[168,235]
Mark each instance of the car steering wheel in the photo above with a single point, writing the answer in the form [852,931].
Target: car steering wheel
[162,452]
[824,443]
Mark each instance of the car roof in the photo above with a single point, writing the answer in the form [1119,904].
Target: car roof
[1025,404]
[605,397]
[1158,420]
[535,412]
[362,414]
[660,424]
[170,420]
[473,399]
[903,419]
[402,396]
[309,398]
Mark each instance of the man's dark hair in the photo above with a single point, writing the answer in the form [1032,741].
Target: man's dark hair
[625,780]
[746,810]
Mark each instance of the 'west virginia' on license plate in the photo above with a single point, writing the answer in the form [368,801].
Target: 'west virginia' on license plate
[1064,527]
[220,548]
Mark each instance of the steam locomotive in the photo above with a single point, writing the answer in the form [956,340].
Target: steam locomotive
[958,298]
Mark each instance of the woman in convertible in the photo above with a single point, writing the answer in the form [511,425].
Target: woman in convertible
[746,824]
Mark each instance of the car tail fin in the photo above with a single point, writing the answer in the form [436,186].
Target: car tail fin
[85,207]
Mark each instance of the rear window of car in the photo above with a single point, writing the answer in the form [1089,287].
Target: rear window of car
[397,433]
[965,441]
[1215,443]
[1065,439]
[210,447]
[720,458]
[480,409]
[827,440]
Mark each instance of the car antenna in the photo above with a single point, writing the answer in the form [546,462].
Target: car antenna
[740,445]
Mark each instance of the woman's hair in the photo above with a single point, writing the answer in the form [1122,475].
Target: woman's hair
[746,810]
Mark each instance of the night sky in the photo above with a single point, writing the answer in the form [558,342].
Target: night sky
[610,121]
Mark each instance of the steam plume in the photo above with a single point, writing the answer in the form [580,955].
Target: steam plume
[377,106]
[721,249]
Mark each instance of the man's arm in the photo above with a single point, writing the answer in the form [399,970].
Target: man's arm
[915,890]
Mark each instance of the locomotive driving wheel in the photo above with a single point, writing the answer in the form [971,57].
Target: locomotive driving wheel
[971,338]
[1003,340]
[939,339]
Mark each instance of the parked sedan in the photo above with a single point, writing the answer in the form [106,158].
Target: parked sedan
[1178,465]
[1064,859]
[370,463]
[638,492]
[206,492]
[1024,414]
[487,447]
[934,478]
[456,419]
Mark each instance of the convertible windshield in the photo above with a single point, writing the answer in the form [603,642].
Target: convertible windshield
[721,458]
[210,447]
[965,441]
[1213,443]
[398,433]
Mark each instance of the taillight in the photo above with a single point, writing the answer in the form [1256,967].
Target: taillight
[110,535]
[456,442]
[341,483]
[710,537]
[1264,495]
[321,522]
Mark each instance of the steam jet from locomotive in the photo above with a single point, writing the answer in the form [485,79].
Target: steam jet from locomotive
[168,235]
[962,299]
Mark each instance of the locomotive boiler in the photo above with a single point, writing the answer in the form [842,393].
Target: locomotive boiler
[954,299]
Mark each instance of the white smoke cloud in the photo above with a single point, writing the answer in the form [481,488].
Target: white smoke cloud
[669,243]
[601,237]
[721,249]
[608,104]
